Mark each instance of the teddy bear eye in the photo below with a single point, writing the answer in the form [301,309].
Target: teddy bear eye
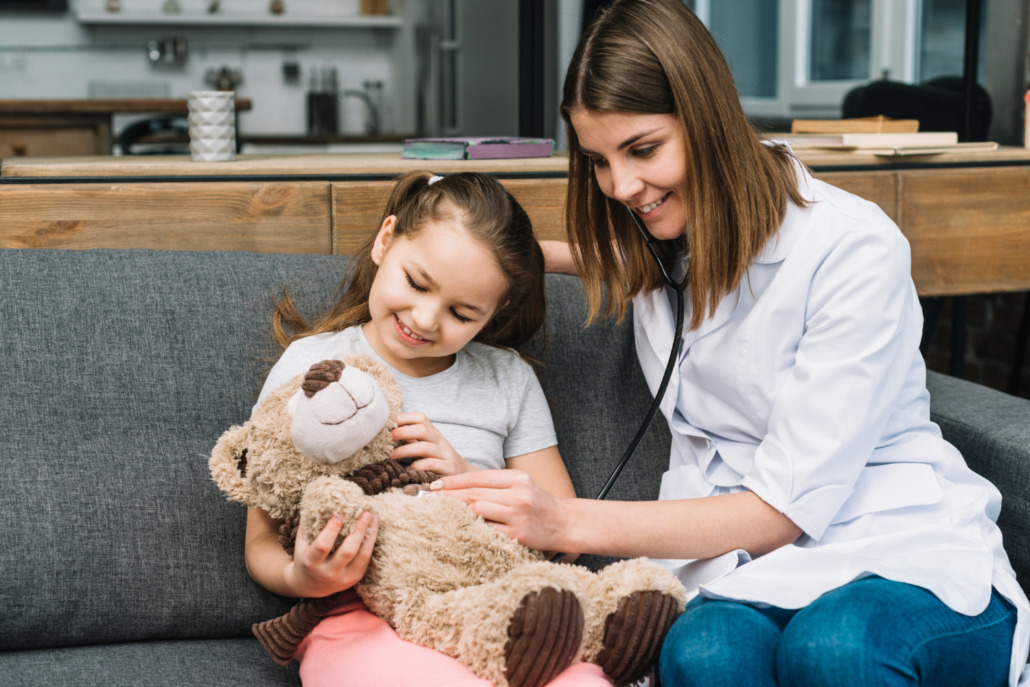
[241,463]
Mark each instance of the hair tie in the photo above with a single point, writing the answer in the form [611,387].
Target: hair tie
[433,179]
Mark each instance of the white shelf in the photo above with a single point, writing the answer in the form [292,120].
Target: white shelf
[237,19]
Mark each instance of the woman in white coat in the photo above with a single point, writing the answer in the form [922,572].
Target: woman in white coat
[831,535]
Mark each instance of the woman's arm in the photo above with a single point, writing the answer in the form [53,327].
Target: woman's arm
[314,570]
[558,257]
[690,528]
[547,469]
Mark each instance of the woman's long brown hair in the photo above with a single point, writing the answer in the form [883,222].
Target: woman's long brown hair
[656,57]
[485,209]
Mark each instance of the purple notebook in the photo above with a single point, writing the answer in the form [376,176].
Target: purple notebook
[476,148]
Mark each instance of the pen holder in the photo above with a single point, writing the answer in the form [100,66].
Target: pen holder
[212,121]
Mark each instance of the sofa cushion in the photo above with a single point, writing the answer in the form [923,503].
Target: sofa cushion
[118,372]
[177,663]
[992,431]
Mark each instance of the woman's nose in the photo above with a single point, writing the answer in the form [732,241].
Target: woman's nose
[626,184]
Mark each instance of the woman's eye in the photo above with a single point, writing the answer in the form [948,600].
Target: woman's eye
[596,161]
[411,282]
[645,152]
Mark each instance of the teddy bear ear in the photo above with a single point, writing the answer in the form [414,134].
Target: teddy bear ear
[228,463]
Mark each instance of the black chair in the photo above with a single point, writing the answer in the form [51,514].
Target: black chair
[937,104]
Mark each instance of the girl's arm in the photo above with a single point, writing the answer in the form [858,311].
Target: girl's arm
[690,528]
[547,469]
[314,570]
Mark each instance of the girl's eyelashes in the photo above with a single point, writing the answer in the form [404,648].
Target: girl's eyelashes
[421,289]
[461,318]
[412,284]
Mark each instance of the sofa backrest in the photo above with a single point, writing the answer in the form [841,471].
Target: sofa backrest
[118,372]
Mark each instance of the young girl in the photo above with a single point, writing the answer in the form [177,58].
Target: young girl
[832,535]
[452,278]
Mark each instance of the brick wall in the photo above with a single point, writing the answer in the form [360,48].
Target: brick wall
[992,326]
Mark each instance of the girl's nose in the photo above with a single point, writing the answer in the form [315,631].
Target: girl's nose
[424,315]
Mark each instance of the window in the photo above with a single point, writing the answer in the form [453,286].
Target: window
[798,58]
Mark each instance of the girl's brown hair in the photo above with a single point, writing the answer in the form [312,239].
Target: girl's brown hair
[485,209]
[656,57]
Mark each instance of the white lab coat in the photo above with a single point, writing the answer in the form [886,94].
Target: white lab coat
[807,387]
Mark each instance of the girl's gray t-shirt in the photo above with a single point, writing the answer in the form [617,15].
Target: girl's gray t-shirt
[489,405]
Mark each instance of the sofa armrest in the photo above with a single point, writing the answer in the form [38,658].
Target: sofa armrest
[992,430]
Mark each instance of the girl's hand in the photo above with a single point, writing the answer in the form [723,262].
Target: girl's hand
[513,503]
[422,441]
[316,570]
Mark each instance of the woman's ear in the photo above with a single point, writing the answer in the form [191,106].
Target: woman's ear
[383,238]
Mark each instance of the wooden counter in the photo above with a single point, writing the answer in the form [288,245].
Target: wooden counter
[967,216]
[326,166]
[75,126]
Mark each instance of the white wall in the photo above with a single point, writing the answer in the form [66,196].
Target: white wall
[56,56]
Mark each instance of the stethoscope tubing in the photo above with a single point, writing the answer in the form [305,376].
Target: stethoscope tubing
[677,345]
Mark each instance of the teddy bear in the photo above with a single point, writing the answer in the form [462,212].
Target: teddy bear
[320,445]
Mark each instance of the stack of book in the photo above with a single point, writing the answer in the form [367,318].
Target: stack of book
[475,148]
[875,136]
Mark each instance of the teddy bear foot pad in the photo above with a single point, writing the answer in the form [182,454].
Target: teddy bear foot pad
[544,637]
[634,633]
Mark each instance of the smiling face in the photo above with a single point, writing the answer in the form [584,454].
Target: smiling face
[432,294]
[639,160]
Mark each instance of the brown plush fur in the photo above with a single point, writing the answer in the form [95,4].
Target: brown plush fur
[440,575]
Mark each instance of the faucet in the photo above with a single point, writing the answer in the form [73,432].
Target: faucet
[371,111]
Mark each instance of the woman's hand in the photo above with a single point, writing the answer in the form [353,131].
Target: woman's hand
[421,440]
[316,570]
[557,257]
[513,503]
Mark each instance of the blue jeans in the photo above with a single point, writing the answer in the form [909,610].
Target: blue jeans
[871,632]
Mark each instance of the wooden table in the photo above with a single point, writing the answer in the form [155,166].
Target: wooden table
[75,126]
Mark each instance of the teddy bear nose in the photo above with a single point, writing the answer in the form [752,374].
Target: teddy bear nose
[359,385]
[340,418]
[342,399]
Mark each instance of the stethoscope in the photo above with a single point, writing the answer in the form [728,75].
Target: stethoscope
[680,288]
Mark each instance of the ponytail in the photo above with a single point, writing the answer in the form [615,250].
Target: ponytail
[487,212]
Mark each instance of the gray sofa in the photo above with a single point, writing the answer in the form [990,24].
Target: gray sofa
[123,564]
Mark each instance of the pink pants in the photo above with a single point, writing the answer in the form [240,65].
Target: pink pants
[356,648]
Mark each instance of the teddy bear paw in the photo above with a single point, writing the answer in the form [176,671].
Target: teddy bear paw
[634,633]
[543,638]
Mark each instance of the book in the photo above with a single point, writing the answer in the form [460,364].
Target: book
[475,148]
[877,140]
[886,145]
[868,142]
[854,125]
[965,147]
